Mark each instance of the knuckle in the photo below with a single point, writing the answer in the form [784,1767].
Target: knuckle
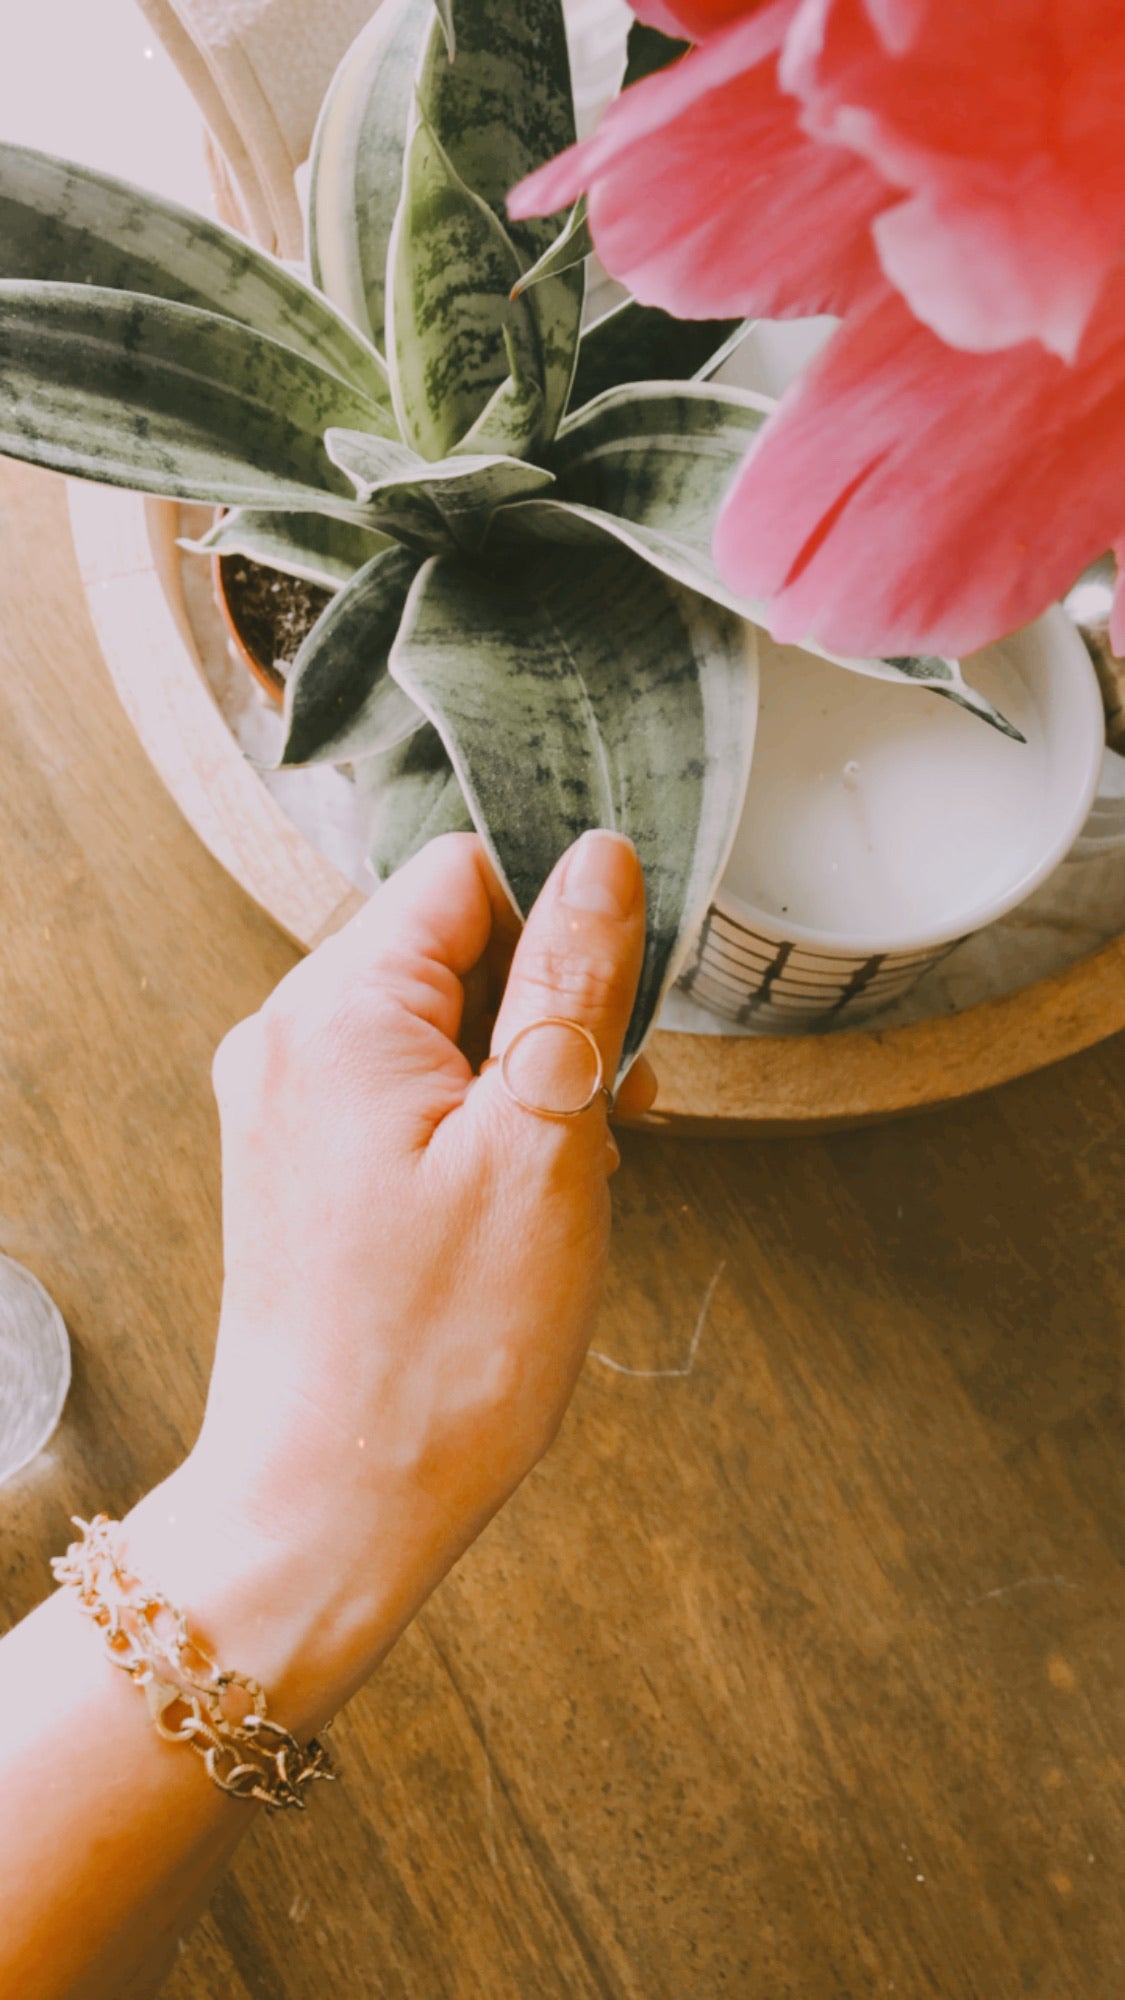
[420,987]
[344,1022]
[323,1019]
[591,982]
[255,1061]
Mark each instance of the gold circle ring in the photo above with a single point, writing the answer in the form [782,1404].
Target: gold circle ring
[599,1088]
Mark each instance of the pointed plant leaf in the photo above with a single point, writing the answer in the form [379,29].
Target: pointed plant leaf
[465,491]
[514,418]
[380,465]
[941,676]
[635,343]
[506,104]
[649,52]
[451,269]
[448,27]
[648,467]
[583,690]
[503,107]
[661,457]
[311,546]
[412,795]
[69,224]
[341,704]
[170,400]
[568,250]
[374,462]
[358,152]
[568,523]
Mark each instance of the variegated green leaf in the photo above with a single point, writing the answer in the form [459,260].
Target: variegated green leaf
[412,796]
[450,271]
[570,524]
[357,162]
[635,343]
[71,225]
[502,108]
[583,690]
[661,456]
[648,467]
[312,546]
[169,400]
[513,419]
[568,250]
[465,491]
[340,702]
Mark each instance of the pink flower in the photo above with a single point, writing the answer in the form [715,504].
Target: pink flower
[948,177]
[690,20]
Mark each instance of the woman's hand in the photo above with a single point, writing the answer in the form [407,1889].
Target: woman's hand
[413,1262]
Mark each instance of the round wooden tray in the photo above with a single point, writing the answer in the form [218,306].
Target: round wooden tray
[723,1085]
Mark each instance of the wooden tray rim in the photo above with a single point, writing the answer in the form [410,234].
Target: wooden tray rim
[710,1084]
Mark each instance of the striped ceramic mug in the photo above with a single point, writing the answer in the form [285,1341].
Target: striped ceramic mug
[761,969]
[743,969]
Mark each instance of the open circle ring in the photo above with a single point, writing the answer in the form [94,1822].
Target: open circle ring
[598,1088]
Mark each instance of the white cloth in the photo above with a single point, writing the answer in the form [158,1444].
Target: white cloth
[258,70]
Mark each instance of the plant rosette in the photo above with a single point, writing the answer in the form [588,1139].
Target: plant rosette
[512,514]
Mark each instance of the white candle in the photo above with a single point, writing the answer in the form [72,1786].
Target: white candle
[880,811]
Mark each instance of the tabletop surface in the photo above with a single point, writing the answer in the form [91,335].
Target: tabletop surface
[796,1669]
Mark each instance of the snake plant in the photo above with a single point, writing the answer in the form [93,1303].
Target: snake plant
[528,633]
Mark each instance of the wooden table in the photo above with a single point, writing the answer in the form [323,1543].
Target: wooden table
[796,1670]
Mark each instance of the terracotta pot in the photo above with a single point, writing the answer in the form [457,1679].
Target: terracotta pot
[264,672]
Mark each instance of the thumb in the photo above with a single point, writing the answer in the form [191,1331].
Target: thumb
[578,959]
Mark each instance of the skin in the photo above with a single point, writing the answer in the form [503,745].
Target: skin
[413,1265]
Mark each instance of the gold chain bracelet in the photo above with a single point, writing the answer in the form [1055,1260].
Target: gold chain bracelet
[246,1754]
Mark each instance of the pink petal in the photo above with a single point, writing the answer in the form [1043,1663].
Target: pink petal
[692,19]
[907,497]
[959,255]
[707,199]
[557,184]
[896,22]
[1003,121]
[641,113]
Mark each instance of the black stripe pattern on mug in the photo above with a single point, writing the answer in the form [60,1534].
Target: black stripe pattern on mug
[760,983]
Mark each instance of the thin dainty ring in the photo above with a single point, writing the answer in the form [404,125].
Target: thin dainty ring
[598,1089]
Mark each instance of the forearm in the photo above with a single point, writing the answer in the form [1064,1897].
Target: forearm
[413,1261]
[108,1833]
[110,1837]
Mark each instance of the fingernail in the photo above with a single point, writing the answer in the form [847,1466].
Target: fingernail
[602,874]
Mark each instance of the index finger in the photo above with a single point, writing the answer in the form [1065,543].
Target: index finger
[426,928]
[578,960]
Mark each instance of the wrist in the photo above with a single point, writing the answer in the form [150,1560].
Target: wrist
[271,1607]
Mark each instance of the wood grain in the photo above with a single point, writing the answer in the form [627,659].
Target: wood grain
[724,1085]
[797,1674]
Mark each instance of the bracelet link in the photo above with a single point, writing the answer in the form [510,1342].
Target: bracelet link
[221,1714]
